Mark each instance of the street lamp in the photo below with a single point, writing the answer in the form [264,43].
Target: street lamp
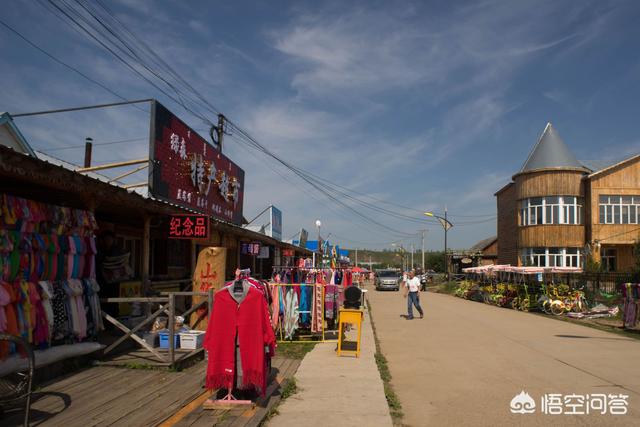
[318,225]
[446,225]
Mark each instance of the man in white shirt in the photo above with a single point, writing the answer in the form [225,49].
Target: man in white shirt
[412,290]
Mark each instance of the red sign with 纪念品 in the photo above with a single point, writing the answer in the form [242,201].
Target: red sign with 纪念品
[188,227]
[190,172]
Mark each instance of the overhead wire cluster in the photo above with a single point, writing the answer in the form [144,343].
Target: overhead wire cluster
[97,22]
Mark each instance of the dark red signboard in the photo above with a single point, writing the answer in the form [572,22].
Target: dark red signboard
[288,252]
[189,171]
[188,227]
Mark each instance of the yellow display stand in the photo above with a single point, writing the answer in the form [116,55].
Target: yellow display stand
[354,317]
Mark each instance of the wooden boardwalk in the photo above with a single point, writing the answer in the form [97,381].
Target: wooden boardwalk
[112,396]
[282,370]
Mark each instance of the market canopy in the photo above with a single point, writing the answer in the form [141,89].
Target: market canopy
[520,270]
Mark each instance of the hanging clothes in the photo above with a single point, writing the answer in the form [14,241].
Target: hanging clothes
[40,322]
[76,300]
[305,304]
[61,329]
[275,306]
[317,315]
[5,300]
[291,313]
[46,297]
[91,289]
[249,322]
[330,301]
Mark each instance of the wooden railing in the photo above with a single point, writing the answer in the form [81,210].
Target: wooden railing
[167,306]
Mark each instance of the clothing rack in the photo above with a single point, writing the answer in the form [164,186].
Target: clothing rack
[324,330]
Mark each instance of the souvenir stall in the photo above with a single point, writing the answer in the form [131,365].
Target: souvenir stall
[48,290]
[305,301]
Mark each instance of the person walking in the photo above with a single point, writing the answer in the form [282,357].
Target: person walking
[412,293]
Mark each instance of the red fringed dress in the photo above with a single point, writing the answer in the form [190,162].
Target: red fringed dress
[250,320]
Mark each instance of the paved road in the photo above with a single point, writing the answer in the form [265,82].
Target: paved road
[465,361]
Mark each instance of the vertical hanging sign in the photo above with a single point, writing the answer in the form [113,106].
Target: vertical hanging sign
[275,223]
[190,172]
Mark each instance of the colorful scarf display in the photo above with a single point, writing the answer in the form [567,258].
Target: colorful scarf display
[48,293]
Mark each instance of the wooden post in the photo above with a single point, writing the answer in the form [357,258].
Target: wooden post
[210,304]
[194,256]
[172,327]
[146,254]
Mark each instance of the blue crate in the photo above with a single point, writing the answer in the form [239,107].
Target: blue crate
[164,339]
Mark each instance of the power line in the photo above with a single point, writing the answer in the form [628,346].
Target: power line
[162,63]
[87,107]
[95,144]
[303,190]
[256,145]
[59,61]
[70,20]
[129,52]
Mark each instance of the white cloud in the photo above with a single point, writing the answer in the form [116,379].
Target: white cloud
[332,96]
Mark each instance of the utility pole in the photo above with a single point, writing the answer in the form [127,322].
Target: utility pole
[356,257]
[220,130]
[446,228]
[423,232]
[412,250]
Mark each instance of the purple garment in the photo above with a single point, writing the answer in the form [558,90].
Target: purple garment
[330,301]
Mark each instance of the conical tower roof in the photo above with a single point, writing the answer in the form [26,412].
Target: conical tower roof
[550,152]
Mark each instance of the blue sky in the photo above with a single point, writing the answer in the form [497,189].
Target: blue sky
[422,104]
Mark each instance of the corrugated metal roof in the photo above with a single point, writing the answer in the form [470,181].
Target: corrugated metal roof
[16,135]
[550,152]
[72,167]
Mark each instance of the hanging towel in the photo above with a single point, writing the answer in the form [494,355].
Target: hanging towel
[46,297]
[292,313]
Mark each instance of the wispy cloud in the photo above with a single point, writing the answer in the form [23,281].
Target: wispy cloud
[410,102]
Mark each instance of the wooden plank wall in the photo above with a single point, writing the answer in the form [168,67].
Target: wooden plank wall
[550,236]
[623,180]
[492,249]
[549,183]
[507,226]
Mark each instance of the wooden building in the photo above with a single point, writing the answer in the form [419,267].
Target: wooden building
[486,250]
[139,222]
[557,211]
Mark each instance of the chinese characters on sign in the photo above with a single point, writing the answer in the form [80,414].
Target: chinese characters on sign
[250,248]
[572,404]
[208,278]
[288,252]
[189,172]
[189,227]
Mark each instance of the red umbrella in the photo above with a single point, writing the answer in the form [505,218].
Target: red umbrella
[357,270]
